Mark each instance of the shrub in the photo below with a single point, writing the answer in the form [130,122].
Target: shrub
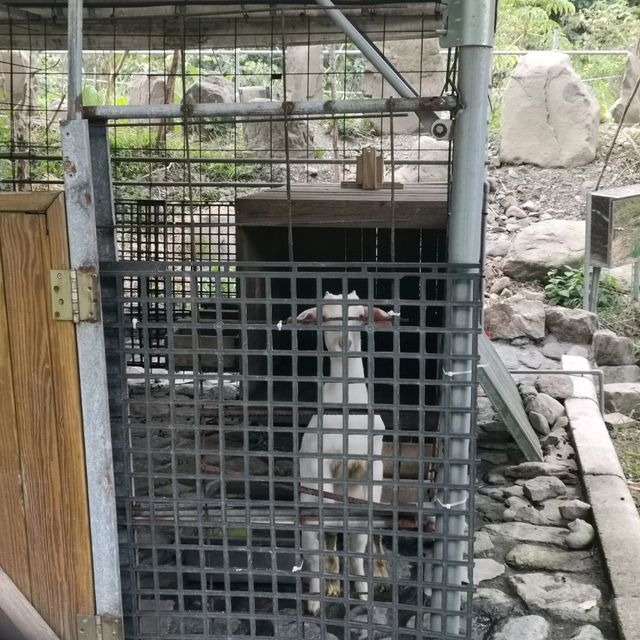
[565,287]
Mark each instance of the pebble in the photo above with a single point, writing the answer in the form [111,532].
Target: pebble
[528,557]
[486,569]
[544,487]
[575,509]
[582,535]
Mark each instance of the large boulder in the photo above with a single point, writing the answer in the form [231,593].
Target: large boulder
[543,246]
[18,79]
[210,89]
[549,116]
[421,63]
[266,137]
[571,325]
[305,73]
[144,89]
[629,81]
[429,149]
[515,317]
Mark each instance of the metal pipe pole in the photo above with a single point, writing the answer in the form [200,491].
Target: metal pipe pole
[74,47]
[470,28]
[272,109]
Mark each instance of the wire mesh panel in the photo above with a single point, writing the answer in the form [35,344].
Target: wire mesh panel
[286,481]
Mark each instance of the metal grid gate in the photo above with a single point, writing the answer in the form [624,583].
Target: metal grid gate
[228,469]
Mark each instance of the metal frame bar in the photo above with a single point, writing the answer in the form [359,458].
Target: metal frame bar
[473,34]
[275,110]
[83,253]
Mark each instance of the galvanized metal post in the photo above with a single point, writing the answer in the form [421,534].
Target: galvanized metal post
[470,28]
[83,253]
[74,46]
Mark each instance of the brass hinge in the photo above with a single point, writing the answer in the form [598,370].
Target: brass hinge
[99,628]
[74,294]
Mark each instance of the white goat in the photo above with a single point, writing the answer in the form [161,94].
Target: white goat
[330,440]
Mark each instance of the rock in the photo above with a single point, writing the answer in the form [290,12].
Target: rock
[588,632]
[622,397]
[514,491]
[267,137]
[497,246]
[546,406]
[210,89]
[553,349]
[527,391]
[629,81]
[489,509]
[528,470]
[524,513]
[531,358]
[18,84]
[539,423]
[571,325]
[611,349]
[549,116]
[574,509]
[530,557]
[524,628]
[493,457]
[543,246]
[305,73]
[486,569]
[144,89]
[619,421]
[559,596]
[524,532]
[482,542]
[494,477]
[495,603]
[514,317]
[515,212]
[421,63]
[558,386]
[491,492]
[624,373]
[582,535]
[500,284]
[426,148]
[543,488]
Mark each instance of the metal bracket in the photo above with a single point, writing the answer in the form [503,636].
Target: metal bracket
[74,295]
[99,628]
[469,24]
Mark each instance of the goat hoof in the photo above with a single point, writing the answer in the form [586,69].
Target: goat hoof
[332,588]
[313,607]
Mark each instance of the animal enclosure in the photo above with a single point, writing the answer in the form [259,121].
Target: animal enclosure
[268,483]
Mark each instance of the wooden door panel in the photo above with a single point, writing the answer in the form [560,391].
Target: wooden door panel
[45,516]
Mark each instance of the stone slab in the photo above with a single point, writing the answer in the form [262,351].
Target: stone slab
[618,525]
[626,610]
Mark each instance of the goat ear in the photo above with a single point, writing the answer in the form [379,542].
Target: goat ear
[379,316]
[308,316]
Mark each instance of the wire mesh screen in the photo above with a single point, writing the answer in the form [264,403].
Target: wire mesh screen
[281,475]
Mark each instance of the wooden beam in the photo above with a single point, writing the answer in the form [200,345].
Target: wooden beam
[18,619]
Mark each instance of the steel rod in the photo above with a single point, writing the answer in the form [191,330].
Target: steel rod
[272,109]
[74,90]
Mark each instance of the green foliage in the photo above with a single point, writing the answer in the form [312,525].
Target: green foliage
[565,287]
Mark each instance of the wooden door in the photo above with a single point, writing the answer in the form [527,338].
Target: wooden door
[45,543]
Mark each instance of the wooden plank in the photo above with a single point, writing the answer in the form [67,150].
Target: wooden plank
[27,298]
[415,207]
[18,619]
[13,534]
[66,384]
[32,202]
